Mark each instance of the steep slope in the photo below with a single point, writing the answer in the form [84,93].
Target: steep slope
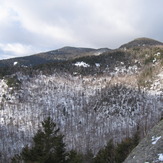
[150,149]
[88,113]
[142,42]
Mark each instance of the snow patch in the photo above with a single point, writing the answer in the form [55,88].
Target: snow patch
[157,54]
[15,63]
[157,85]
[125,70]
[98,53]
[155,139]
[81,64]
[160,158]
[97,64]
[154,60]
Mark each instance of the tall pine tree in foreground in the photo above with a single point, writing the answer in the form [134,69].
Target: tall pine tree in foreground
[47,147]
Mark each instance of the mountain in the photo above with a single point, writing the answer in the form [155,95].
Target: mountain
[58,55]
[142,42]
[93,96]
[67,53]
[150,149]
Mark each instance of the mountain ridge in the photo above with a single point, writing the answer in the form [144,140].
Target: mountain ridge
[68,52]
[57,55]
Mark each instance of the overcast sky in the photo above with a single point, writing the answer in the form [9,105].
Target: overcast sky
[32,26]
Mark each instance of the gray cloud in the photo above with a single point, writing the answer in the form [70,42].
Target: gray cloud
[28,26]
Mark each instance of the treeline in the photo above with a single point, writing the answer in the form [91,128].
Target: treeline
[48,147]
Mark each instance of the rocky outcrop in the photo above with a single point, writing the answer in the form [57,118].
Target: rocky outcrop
[150,149]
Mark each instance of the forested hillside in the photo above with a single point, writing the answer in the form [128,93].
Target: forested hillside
[93,99]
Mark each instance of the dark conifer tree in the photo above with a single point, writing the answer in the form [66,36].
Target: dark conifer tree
[47,147]
[107,154]
[75,157]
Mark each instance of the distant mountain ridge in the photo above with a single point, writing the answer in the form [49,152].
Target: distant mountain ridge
[62,54]
[69,53]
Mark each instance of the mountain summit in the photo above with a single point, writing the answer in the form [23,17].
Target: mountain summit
[69,53]
[139,42]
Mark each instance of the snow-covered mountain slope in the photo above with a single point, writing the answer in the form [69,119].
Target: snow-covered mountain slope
[89,110]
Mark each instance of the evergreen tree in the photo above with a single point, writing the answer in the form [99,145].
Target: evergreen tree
[136,137]
[117,153]
[75,157]
[107,154]
[88,157]
[48,146]
[123,149]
